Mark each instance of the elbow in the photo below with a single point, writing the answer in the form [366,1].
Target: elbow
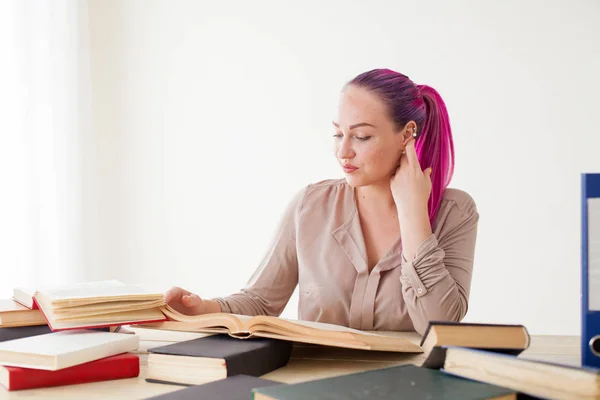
[449,310]
[452,309]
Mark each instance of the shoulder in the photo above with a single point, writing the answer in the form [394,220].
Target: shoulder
[321,198]
[321,190]
[326,186]
[460,200]
[457,210]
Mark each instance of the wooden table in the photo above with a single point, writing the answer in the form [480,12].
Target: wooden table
[305,364]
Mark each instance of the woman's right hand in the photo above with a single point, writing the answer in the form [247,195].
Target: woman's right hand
[184,302]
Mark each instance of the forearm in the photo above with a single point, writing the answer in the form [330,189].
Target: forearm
[245,303]
[415,228]
[429,290]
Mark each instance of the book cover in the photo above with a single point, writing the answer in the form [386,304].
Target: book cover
[590,269]
[406,382]
[126,365]
[58,350]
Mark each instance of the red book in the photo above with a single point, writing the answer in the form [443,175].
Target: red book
[126,365]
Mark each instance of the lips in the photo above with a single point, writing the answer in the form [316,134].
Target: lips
[349,168]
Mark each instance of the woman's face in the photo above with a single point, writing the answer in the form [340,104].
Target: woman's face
[367,146]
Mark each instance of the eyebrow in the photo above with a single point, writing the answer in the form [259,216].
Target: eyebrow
[355,125]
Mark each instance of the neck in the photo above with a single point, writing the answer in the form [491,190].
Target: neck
[375,197]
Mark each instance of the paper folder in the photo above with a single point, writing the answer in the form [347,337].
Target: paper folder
[590,270]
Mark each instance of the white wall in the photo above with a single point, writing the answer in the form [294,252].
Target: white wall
[210,115]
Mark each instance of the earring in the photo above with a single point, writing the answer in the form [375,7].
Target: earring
[414,132]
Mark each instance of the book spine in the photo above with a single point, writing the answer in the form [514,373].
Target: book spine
[118,367]
[590,314]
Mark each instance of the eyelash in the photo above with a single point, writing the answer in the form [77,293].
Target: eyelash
[362,139]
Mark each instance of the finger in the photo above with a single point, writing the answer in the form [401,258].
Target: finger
[191,300]
[403,159]
[411,154]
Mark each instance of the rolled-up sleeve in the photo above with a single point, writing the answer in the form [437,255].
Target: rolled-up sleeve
[274,280]
[436,283]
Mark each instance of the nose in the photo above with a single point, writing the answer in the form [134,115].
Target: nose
[345,150]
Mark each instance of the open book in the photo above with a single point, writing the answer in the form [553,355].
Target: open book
[94,304]
[243,327]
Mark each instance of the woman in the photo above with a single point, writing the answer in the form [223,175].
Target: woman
[388,247]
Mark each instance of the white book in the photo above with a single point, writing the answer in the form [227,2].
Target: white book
[58,350]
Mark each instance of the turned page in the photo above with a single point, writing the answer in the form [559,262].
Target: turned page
[84,293]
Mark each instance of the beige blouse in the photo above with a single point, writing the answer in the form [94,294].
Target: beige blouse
[319,246]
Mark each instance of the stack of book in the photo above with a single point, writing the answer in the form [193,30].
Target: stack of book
[63,335]
[70,357]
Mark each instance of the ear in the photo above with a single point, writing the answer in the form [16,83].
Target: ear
[407,134]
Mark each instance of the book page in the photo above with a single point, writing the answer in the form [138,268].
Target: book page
[82,290]
[314,325]
[233,322]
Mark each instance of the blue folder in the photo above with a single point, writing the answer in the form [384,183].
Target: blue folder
[590,308]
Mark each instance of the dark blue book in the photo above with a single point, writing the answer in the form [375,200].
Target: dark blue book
[401,382]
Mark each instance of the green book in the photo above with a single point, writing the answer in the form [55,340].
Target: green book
[400,382]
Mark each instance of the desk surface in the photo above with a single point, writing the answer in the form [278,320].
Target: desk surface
[304,365]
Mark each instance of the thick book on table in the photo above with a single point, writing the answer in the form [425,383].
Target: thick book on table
[207,359]
[58,350]
[499,338]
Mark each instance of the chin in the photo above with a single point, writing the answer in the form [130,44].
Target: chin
[361,180]
[356,181]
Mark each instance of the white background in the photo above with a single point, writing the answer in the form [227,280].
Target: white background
[208,116]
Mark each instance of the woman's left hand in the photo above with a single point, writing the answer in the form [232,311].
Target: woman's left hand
[411,186]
